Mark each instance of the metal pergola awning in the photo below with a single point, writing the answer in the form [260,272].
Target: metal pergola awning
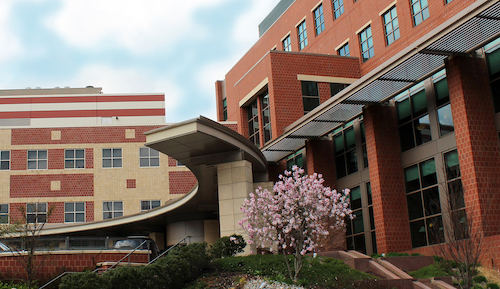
[464,33]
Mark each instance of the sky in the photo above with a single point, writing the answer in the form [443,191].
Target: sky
[175,47]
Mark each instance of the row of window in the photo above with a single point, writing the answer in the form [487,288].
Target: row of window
[419,12]
[75,158]
[74,212]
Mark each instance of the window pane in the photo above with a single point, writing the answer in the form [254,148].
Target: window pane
[435,230]
[456,193]
[143,152]
[80,207]
[442,93]
[107,206]
[145,205]
[340,166]
[372,219]
[359,243]
[80,217]
[155,162]
[106,163]
[155,204]
[355,198]
[144,162]
[42,165]
[69,218]
[69,153]
[310,103]
[118,214]
[69,207]
[452,165]
[369,193]
[31,155]
[422,130]
[42,207]
[107,215]
[118,206]
[406,137]
[338,141]
[357,223]
[350,138]
[80,164]
[352,162]
[106,153]
[412,179]
[419,103]
[414,202]
[80,154]
[445,120]
[42,154]
[117,163]
[428,173]
[117,153]
[431,201]
[418,236]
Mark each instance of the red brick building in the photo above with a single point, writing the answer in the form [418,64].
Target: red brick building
[398,101]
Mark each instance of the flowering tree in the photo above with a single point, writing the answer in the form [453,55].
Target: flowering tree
[294,216]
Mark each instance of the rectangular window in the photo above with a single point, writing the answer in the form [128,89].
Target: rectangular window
[355,229]
[224,109]
[456,195]
[310,95]
[302,33]
[4,160]
[266,117]
[253,123]
[338,8]
[179,164]
[37,159]
[492,53]
[319,20]
[74,212]
[447,1]
[344,146]
[424,206]
[413,117]
[366,43]
[148,205]
[74,159]
[296,159]
[112,210]
[112,158]
[419,11]
[149,157]
[4,213]
[391,25]
[287,44]
[445,117]
[344,50]
[36,212]
[337,87]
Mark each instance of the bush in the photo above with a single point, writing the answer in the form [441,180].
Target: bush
[196,256]
[227,247]
[124,278]
[479,279]
[477,286]
[492,286]
[85,280]
[429,271]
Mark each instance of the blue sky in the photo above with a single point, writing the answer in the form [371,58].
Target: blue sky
[179,48]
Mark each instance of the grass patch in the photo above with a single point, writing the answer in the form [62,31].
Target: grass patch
[429,271]
[319,271]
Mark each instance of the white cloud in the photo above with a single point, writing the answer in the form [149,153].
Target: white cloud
[140,26]
[10,45]
[128,80]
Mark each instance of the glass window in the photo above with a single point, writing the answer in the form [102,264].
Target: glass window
[296,159]
[414,122]
[338,8]
[36,212]
[151,204]
[287,44]
[419,11]
[391,25]
[4,213]
[224,109]
[4,160]
[74,212]
[149,157]
[344,50]
[445,118]
[310,95]
[112,209]
[337,87]
[344,141]
[319,20]
[492,52]
[424,204]
[37,159]
[253,123]
[366,43]
[302,35]
[266,117]
[112,158]
[74,159]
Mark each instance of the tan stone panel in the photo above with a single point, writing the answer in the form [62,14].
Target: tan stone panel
[225,192]
[226,223]
[55,185]
[130,133]
[55,135]
[224,176]
[241,190]
[5,135]
[226,207]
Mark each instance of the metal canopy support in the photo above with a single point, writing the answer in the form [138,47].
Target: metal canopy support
[466,38]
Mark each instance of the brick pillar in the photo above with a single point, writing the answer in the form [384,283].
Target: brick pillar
[477,140]
[386,178]
[319,155]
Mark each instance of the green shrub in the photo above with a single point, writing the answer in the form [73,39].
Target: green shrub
[375,255]
[396,254]
[477,286]
[416,254]
[227,247]
[429,271]
[124,278]
[84,280]
[492,286]
[479,279]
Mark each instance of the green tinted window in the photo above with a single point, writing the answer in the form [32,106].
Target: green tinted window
[493,59]
[350,138]
[419,103]
[404,110]
[442,93]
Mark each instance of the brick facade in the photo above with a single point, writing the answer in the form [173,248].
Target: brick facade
[39,186]
[477,140]
[181,182]
[386,178]
[320,159]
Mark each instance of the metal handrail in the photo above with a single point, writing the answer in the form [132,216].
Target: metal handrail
[96,270]
[60,275]
[166,251]
[130,253]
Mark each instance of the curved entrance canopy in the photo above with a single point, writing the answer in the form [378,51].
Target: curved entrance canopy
[200,144]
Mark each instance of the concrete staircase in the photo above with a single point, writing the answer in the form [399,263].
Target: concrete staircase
[390,274]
